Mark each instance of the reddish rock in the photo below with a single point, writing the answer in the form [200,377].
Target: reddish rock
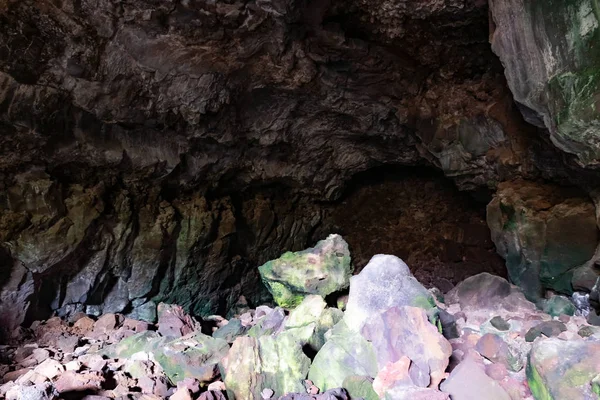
[83,325]
[72,381]
[105,324]
[94,362]
[14,375]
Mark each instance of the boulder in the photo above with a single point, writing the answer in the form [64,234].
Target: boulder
[559,369]
[385,282]
[489,292]
[313,312]
[268,362]
[468,381]
[406,332]
[193,356]
[543,232]
[345,353]
[321,270]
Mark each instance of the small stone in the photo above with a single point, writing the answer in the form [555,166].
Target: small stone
[67,343]
[217,386]
[93,362]
[14,375]
[267,393]
[547,328]
[106,323]
[496,350]
[73,366]
[31,377]
[321,270]
[500,323]
[448,322]
[79,351]
[558,305]
[50,368]
[587,331]
[84,325]
[212,395]
[181,394]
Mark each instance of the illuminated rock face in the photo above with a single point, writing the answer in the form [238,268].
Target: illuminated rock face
[551,60]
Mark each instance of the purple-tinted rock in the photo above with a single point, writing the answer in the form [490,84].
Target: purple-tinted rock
[468,381]
[174,322]
[406,331]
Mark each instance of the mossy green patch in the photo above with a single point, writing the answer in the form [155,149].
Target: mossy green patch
[536,384]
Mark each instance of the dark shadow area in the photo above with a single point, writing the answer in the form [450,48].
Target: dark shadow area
[420,216]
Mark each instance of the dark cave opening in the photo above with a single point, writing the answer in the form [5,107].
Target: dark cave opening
[419,215]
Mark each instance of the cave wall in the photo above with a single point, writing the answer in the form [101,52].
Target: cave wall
[131,133]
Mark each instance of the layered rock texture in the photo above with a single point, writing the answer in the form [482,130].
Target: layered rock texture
[162,150]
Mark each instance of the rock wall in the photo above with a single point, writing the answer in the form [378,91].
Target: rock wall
[154,149]
[551,60]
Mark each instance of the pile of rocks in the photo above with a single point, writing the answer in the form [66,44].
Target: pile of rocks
[388,338]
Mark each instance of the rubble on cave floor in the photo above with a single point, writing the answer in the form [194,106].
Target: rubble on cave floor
[388,338]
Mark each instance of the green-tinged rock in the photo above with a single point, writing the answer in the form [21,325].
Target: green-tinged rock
[144,341]
[345,353]
[231,331]
[313,311]
[560,369]
[193,356]
[547,328]
[588,330]
[360,387]
[500,323]
[321,270]
[596,385]
[558,305]
[550,54]
[273,362]
[544,232]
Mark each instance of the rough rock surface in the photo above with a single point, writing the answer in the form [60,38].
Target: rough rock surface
[546,234]
[321,270]
[551,63]
[385,282]
[559,369]
[139,140]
